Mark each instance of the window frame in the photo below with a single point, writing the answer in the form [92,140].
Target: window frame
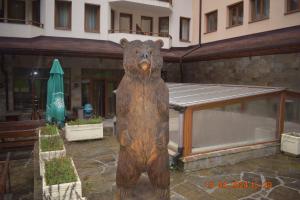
[161,34]
[97,29]
[180,29]
[234,6]
[206,19]
[287,3]
[130,17]
[252,11]
[151,24]
[69,26]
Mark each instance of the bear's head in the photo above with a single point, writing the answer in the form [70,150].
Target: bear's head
[142,60]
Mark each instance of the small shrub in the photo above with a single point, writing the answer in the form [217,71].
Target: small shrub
[59,170]
[53,143]
[49,130]
[94,120]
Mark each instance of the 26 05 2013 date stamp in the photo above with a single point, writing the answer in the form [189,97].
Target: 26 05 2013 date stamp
[238,185]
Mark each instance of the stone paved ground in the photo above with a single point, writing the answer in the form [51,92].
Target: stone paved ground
[96,164]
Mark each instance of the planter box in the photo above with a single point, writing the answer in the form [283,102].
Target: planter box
[68,191]
[84,132]
[48,155]
[40,135]
[290,143]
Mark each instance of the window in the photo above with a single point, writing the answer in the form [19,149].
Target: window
[163,26]
[184,29]
[112,21]
[16,11]
[125,23]
[63,15]
[36,12]
[236,14]
[146,25]
[260,9]
[92,18]
[1,9]
[211,21]
[292,5]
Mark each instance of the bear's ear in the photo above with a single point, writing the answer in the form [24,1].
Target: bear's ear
[123,42]
[160,43]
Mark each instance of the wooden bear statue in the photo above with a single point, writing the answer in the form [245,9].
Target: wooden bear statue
[143,119]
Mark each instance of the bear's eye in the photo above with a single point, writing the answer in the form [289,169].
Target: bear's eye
[136,51]
[150,51]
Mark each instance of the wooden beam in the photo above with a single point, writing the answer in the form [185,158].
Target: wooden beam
[281,114]
[17,133]
[187,131]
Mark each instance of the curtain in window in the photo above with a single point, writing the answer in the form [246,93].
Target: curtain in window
[164,26]
[146,25]
[212,22]
[266,8]
[293,5]
[91,17]
[63,15]
[185,26]
[16,10]
[125,24]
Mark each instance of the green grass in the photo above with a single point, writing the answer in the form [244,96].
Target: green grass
[53,143]
[49,130]
[59,170]
[95,120]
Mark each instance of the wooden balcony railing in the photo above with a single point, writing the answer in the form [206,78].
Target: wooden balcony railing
[21,21]
[167,35]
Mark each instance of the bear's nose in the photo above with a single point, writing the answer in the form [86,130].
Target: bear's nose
[145,55]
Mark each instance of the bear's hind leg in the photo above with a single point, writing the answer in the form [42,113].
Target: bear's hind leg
[127,173]
[159,175]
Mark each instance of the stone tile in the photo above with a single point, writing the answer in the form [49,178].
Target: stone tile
[191,192]
[285,193]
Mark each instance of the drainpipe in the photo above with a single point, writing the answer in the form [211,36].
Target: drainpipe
[194,49]
[5,80]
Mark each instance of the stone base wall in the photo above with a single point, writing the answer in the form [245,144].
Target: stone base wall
[281,70]
[230,156]
[172,71]
[2,96]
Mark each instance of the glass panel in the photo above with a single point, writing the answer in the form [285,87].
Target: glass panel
[125,24]
[1,9]
[63,14]
[235,125]
[36,12]
[16,11]
[292,115]
[146,25]
[293,5]
[212,22]
[164,26]
[85,92]
[173,129]
[185,28]
[91,17]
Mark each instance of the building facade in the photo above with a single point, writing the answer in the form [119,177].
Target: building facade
[206,41]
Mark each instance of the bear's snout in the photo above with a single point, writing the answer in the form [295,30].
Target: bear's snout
[145,64]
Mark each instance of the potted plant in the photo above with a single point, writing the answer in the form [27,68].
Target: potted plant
[290,143]
[84,129]
[61,180]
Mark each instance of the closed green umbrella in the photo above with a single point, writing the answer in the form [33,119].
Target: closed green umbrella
[55,111]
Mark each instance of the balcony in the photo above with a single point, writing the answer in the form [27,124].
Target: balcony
[20,28]
[117,35]
[162,6]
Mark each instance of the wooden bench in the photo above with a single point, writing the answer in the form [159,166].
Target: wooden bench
[18,135]
[5,186]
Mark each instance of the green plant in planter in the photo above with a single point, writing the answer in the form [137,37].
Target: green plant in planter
[49,130]
[53,143]
[94,120]
[59,170]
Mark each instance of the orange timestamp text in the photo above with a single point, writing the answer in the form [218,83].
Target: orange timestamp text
[238,185]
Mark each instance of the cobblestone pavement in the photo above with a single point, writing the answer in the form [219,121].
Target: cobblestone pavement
[274,177]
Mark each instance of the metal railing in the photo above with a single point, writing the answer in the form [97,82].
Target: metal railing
[167,35]
[21,21]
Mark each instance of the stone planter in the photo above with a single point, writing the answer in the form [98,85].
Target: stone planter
[84,132]
[68,191]
[290,143]
[40,135]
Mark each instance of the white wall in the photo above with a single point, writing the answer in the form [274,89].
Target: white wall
[277,19]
